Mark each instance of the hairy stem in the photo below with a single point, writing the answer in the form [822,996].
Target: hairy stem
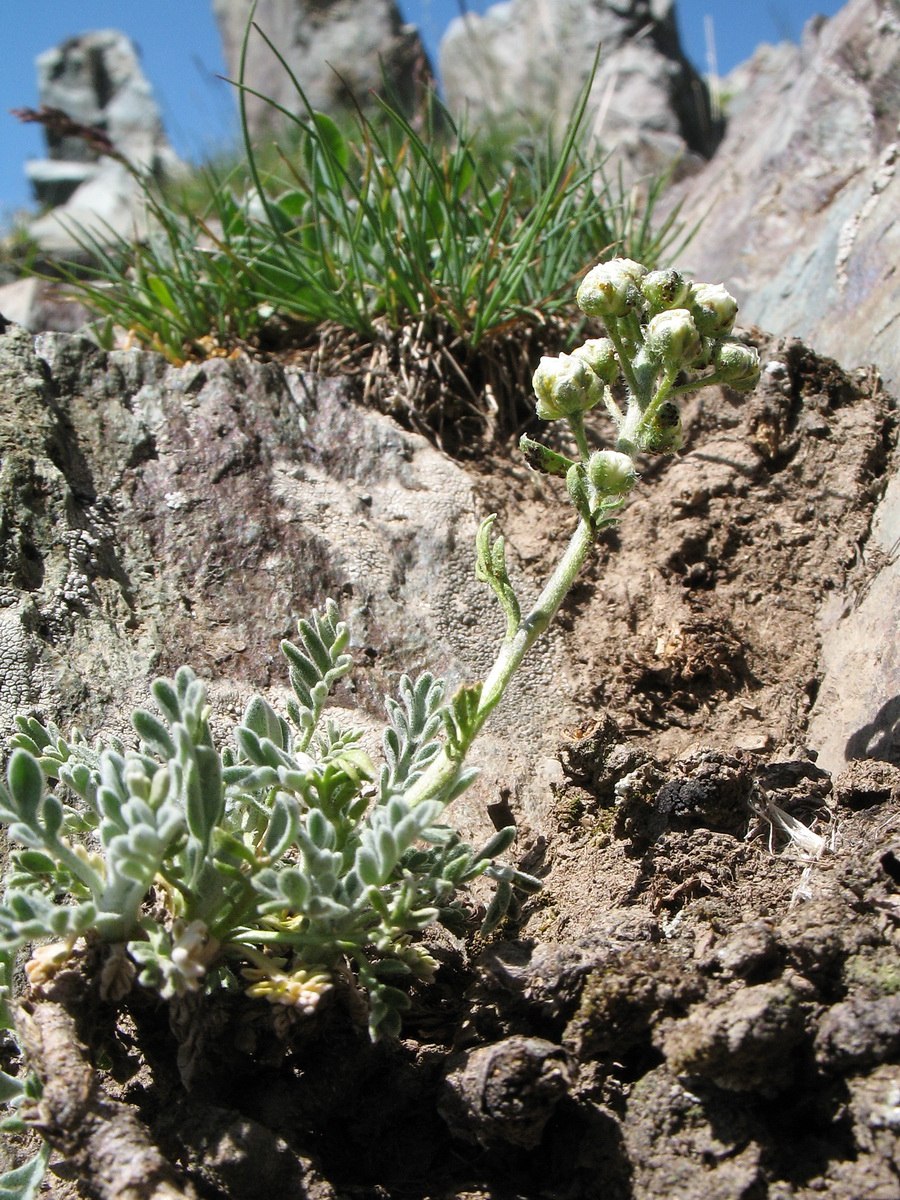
[443,770]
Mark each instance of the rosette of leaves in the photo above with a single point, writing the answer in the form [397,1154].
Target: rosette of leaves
[281,858]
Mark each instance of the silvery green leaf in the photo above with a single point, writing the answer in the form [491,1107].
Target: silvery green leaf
[294,886]
[261,719]
[27,915]
[498,908]
[323,906]
[31,728]
[52,815]
[167,698]
[292,781]
[206,794]
[440,835]
[10,1087]
[316,667]
[110,805]
[250,779]
[153,733]
[82,780]
[386,968]
[112,775]
[26,836]
[410,742]
[463,780]
[459,719]
[499,843]
[368,867]
[320,832]
[35,862]
[283,825]
[387,849]
[26,785]
[184,679]
[453,919]
[507,874]
[248,744]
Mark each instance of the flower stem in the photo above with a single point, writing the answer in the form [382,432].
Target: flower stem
[443,770]
[576,424]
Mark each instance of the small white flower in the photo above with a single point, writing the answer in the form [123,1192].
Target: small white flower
[611,472]
[565,385]
[737,364]
[189,948]
[714,309]
[673,335]
[600,355]
[665,289]
[47,960]
[611,289]
[302,989]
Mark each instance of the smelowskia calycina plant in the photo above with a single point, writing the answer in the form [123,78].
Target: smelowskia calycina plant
[287,862]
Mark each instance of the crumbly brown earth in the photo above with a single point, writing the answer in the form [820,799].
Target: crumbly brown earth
[700,1004]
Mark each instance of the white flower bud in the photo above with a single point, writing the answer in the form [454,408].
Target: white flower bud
[565,385]
[674,337]
[600,355]
[610,289]
[736,364]
[714,309]
[611,472]
[665,289]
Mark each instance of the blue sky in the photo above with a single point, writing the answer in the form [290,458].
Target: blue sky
[181,56]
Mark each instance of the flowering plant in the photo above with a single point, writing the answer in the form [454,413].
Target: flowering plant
[287,861]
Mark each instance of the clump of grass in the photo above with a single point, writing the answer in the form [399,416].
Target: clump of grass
[390,222]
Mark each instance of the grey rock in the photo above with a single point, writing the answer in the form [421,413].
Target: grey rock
[155,516]
[856,718]
[687,1143]
[799,203]
[96,79]
[859,1033]
[524,60]
[339,50]
[857,712]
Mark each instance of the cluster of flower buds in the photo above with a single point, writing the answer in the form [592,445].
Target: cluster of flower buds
[683,326]
[665,336]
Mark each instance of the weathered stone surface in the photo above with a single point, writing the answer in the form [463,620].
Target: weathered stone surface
[96,79]
[522,61]
[799,203]
[339,51]
[155,515]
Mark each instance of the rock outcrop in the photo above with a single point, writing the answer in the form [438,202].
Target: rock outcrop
[799,204]
[96,80]
[522,61]
[340,51]
[799,219]
[654,1022]
[156,515]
